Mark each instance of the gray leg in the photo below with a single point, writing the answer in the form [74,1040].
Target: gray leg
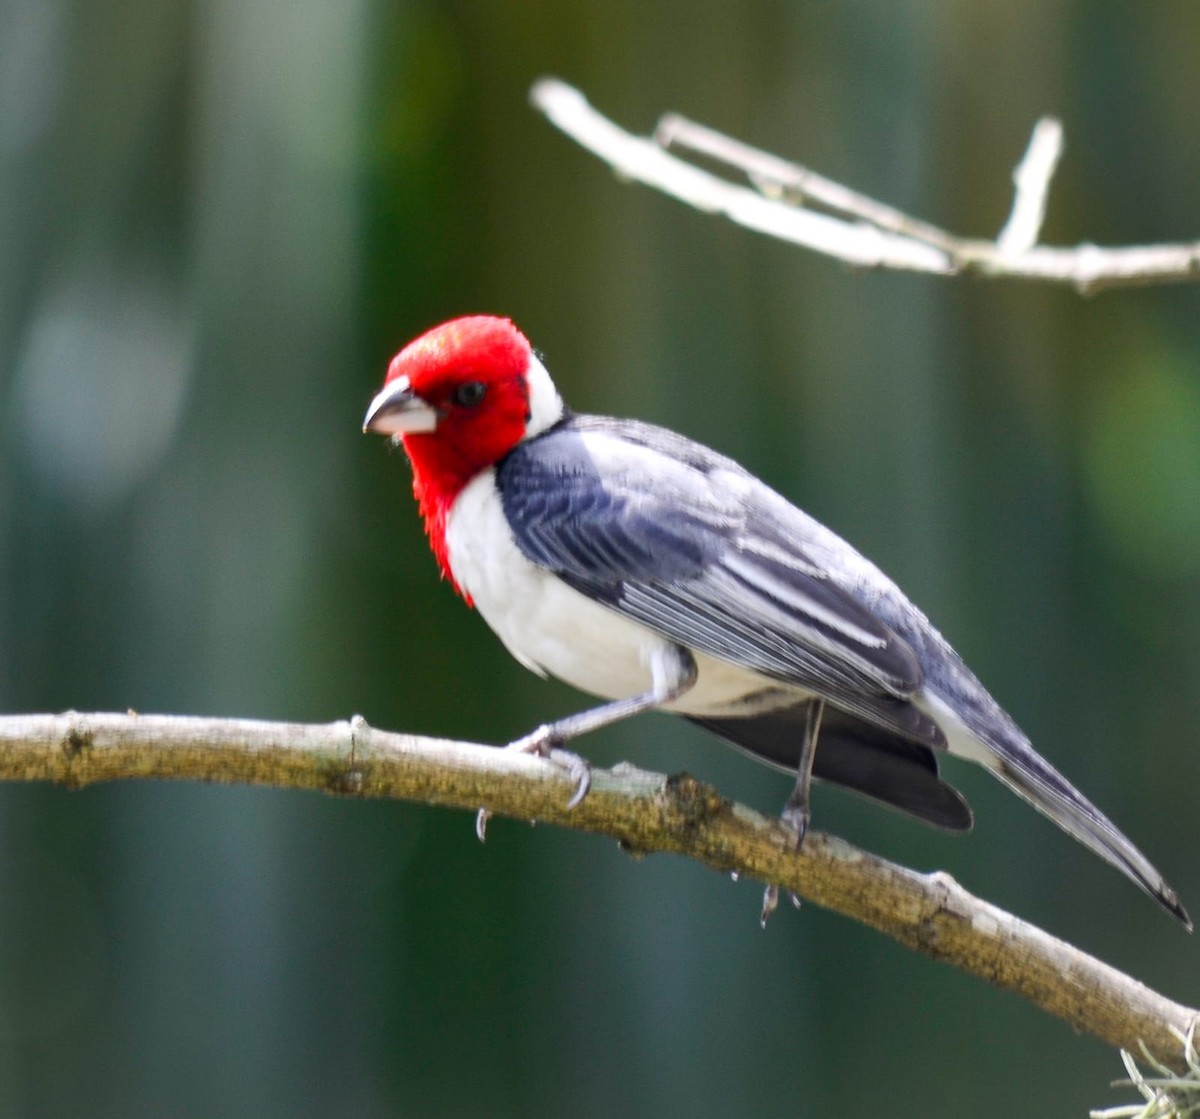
[672,673]
[796,812]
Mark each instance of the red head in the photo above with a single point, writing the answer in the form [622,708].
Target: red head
[458,399]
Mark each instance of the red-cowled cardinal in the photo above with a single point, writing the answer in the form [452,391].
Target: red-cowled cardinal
[644,568]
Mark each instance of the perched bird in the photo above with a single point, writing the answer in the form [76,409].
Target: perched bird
[646,569]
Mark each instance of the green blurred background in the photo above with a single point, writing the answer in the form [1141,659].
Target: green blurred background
[217,222]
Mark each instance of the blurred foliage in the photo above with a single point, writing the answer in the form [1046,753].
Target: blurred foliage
[217,221]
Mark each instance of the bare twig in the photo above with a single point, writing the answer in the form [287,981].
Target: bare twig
[1032,180]
[779,178]
[645,812]
[868,233]
[640,158]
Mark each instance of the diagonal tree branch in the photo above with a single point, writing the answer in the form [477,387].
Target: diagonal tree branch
[857,229]
[646,812]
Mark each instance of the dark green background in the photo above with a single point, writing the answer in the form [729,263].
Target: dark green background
[217,222]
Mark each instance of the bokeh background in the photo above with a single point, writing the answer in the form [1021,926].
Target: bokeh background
[217,222]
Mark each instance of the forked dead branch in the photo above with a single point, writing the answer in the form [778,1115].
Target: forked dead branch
[791,203]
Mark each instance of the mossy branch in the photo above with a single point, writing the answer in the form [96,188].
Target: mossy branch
[647,812]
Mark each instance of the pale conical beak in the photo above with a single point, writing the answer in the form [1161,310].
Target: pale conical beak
[397,410]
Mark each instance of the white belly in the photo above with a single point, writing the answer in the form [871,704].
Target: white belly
[551,628]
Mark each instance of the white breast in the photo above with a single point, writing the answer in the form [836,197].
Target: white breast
[551,628]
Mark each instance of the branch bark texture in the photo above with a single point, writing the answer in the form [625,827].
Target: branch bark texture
[646,812]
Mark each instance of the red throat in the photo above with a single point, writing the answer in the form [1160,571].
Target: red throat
[436,487]
[483,353]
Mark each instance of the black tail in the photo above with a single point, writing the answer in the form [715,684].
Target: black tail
[904,774]
[855,755]
[1033,778]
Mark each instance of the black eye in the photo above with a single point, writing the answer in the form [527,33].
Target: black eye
[469,393]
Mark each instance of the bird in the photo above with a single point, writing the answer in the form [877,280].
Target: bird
[645,569]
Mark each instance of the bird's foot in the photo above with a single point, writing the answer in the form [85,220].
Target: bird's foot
[771,901]
[543,743]
[795,817]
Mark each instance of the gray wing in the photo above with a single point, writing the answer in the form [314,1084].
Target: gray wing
[686,542]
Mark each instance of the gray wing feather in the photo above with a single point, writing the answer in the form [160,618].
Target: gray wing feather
[701,557]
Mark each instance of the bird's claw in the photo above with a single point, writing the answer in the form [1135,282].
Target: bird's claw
[541,743]
[771,901]
[794,817]
[578,770]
